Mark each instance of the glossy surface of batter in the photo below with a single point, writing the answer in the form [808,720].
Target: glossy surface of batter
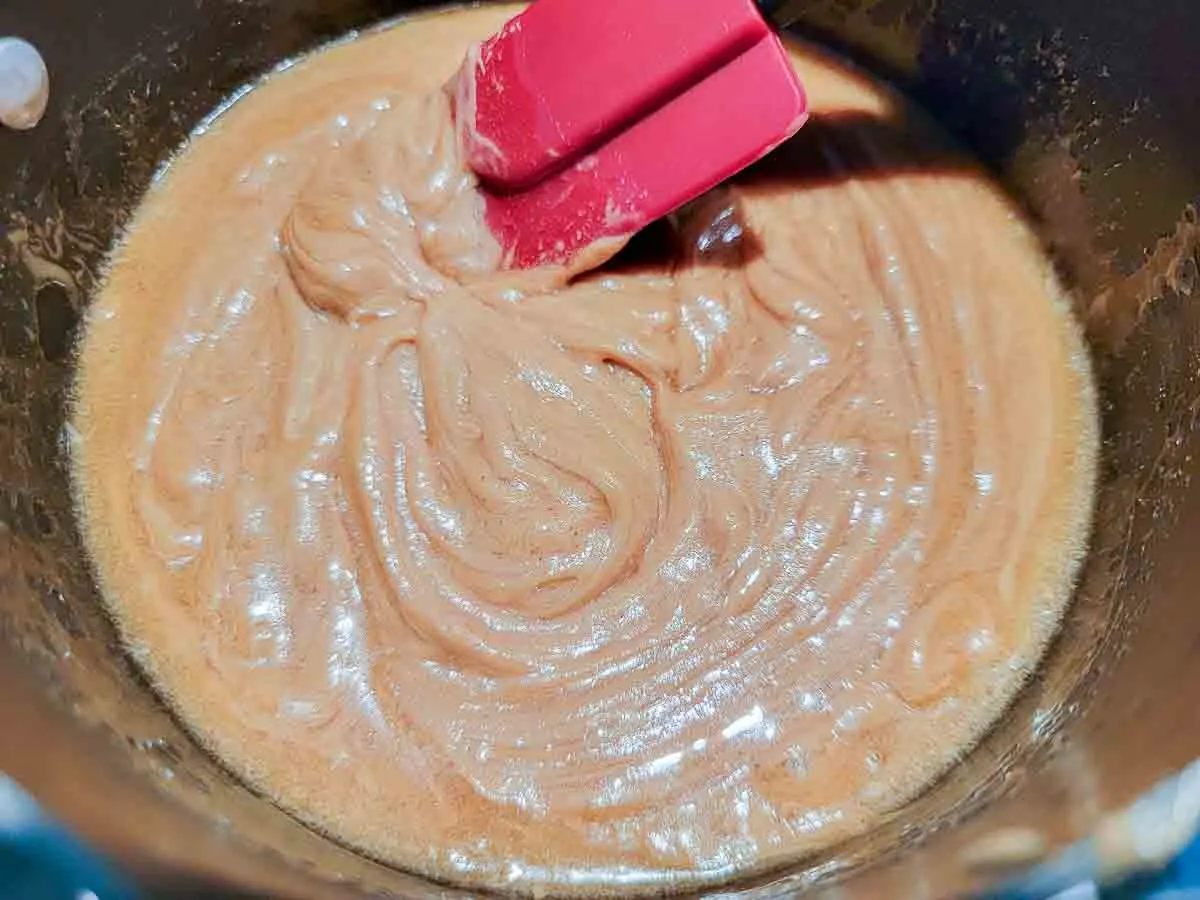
[662,573]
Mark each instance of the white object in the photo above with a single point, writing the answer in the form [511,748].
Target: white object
[24,84]
[1086,891]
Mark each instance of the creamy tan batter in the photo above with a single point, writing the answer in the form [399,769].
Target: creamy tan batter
[655,575]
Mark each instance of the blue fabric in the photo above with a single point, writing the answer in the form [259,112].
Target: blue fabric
[39,860]
[1179,880]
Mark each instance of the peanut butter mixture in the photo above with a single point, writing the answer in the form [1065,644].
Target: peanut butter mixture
[579,579]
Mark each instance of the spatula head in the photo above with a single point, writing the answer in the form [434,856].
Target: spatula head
[588,119]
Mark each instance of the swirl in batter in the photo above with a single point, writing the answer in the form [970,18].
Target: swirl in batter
[652,574]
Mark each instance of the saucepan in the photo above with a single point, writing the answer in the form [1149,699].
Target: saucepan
[1089,110]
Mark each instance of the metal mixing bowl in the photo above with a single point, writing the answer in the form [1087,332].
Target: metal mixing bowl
[1088,109]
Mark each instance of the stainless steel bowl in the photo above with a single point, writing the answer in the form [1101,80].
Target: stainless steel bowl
[1088,109]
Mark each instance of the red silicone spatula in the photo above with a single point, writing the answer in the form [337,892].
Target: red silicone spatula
[588,119]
